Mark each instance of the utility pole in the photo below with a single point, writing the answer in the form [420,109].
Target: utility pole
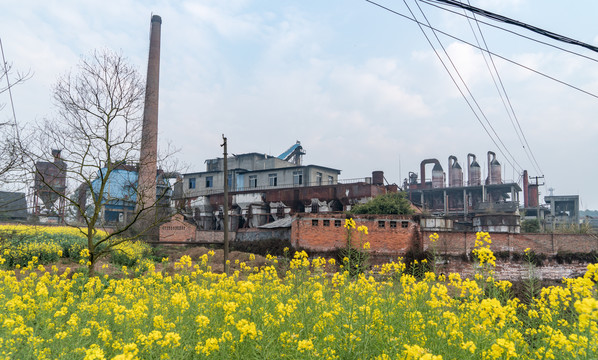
[225,206]
[540,221]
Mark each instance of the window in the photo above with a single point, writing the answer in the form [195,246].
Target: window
[337,223]
[252,181]
[318,178]
[298,177]
[191,183]
[314,222]
[230,181]
[393,224]
[405,224]
[209,181]
[326,222]
[330,180]
[273,179]
[381,223]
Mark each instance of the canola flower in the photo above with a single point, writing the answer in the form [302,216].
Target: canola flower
[21,243]
[307,314]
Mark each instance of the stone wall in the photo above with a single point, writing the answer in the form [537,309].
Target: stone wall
[263,234]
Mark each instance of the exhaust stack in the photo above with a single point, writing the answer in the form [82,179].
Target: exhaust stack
[149,133]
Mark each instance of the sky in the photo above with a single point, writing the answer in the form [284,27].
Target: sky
[359,86]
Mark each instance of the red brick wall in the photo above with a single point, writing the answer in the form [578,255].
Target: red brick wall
[383,240]
[457,243]
[177,230]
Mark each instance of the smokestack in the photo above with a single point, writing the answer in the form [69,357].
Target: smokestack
[149,132]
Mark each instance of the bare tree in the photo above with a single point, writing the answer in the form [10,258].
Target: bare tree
[96,138]
[10,140]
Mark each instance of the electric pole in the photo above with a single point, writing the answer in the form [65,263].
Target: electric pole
[225,206]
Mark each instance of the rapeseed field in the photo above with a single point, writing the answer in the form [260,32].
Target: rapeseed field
[307,312]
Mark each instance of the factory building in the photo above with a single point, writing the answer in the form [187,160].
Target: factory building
[266,188]
[120,193]
[49,189]
[478,204]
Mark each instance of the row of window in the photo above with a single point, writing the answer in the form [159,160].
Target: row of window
[381,223]
[209,182]
[272,180]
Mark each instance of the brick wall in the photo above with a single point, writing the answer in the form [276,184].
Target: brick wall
[213,236]
[325,232]
[518,270]
[177,230]
[457,243]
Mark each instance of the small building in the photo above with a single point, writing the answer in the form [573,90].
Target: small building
[388,235]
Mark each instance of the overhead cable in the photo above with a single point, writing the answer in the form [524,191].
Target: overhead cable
[505,99]
[507,20]
[431,3]
[466,87]
[477,47]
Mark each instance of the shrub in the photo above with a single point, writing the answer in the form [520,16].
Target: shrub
[129,252]
[387,204]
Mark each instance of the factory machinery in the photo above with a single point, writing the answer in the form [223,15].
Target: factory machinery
[462,198]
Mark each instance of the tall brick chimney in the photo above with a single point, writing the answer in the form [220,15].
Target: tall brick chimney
[146,198]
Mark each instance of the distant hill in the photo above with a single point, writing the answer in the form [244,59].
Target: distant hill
[592,213]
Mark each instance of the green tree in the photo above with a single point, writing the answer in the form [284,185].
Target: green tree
[530,226]
[388,204]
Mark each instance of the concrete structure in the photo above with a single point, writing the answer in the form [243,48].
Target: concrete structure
[149,136]
[564,210]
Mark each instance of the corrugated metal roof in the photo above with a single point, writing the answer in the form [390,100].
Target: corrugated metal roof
[280,223]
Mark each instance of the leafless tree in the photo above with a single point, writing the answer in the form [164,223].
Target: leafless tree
[98,130]
[10,139]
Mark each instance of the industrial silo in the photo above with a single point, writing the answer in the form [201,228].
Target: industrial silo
[494,171]
[474,172]
[437,176]
[455,172]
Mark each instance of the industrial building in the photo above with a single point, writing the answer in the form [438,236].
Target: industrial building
[264,188]
[478,204]
[49,189]
[120,193]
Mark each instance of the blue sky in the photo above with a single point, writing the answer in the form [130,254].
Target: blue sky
[358,86]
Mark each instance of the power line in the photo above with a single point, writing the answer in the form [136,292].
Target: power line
[466,87]
[527,150]
[489,52]
[507,20]
[428,2]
